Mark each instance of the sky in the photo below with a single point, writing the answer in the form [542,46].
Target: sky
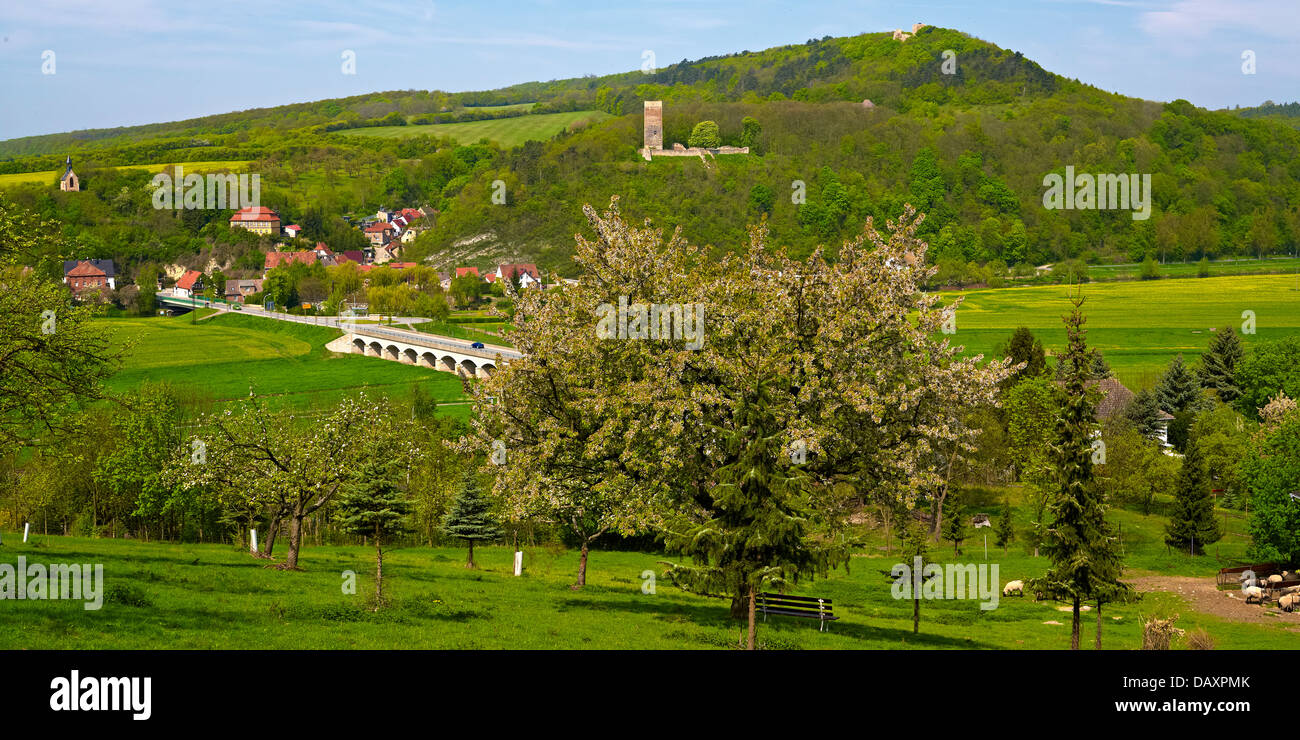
[78,64]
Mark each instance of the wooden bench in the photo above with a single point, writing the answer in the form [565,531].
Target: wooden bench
[807,607]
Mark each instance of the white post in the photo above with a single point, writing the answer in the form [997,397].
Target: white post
[519,562]
[252,545]
[26,528]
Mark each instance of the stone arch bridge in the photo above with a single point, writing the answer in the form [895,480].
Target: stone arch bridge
[414,348]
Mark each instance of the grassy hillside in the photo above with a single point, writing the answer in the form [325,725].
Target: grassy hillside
[505,132]
[221,358]
[1139,327]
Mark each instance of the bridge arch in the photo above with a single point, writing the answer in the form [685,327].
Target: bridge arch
[374,349]
[467,367]
[359,346]
[391,352]
[447,363]
[486,369]
[429,360]
[410,357]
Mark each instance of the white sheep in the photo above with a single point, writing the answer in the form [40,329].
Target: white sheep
[1289,590]
[1289,602]
[1254,592]
[1274,579]
[1016,586]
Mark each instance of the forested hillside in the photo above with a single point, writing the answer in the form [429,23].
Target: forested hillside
[970,149]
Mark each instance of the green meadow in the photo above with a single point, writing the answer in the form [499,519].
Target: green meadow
[1138,326]
[51,176]
[161,595]
[506,132]
[221,358]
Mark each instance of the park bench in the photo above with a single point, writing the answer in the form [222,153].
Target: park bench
[806,607]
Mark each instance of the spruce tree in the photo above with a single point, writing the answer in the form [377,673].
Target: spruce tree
[1178,389]
[470,517]
[753,528]
[954,527]
[1219,365]
[1083,564]
[1192,525]
[1004,531]
[1144,412]
[371,505]
[1098,367]
[1022,346]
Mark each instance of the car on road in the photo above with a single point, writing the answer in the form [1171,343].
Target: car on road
[477,345]
[236,307]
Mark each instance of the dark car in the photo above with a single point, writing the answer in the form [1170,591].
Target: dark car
[477,345]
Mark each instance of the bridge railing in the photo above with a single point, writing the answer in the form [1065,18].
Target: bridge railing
[427,341]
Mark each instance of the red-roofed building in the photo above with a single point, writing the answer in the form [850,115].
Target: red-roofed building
[280,259]
[463,271]
[259,220]
[87,276]
[351,255]
[189,284]
[526,271]
[379,233]
[411,214]
[292,230]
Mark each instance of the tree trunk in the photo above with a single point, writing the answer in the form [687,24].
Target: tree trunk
[752,627]
[740,603]
[916,609]
[1074,629]
[379,574]
[470,562]
[271,532]
[295,542]
[582,566]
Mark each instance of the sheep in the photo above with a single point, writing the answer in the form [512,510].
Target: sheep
[1289,590]
[1017,586]
[1274,579]
[1289,602]
[1254,592]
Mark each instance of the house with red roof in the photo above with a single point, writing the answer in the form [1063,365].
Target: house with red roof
[526,271]
[189,284]
[90,274]
[379,233]
[292,230]
[257,219]
[463,271]
[280,259]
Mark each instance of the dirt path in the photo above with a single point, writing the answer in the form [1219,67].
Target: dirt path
[1202,595]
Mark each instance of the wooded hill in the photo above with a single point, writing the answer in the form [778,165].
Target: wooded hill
[969,148]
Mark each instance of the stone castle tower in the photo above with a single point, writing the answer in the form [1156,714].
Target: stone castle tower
[654,124]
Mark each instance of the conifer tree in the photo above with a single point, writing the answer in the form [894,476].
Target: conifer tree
[1192,525]
[1004,531]
[470,517]
[371,505]
[753,529]
[1178,389]
[1219,365]
[1022,346]
[1144,412]
[1098,367]
[1084,564]
[954,527]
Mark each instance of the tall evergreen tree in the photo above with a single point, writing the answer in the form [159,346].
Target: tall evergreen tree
[954,527]
[1004,531]
[371,505]
[1219,365]
[753,529]
[1192,525]
[470,517]
[1083,563]
[1144,412]
[1178,389]
[1098,368]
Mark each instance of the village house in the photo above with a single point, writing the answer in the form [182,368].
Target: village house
[83,274]
[1115,398]
[379,233]
[259,220]
[190,284]
[237,290]
[279,259]
[292,231]
[69,183]
[527,272]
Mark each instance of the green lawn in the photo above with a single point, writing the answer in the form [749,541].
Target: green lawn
[1139,326]
[213,596]
[220,358]
[507,132]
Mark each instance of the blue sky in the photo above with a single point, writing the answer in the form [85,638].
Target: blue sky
[125,62]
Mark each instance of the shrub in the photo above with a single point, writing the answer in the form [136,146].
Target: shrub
[1157,633]
[1199,639]
[705,134]
[1150,270]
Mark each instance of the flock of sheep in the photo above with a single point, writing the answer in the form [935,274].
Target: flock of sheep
[1288,597]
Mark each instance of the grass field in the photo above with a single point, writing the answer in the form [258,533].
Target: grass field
[506,132]
[1138,326]
[1191,269]
[213,596]
[220,358]
[51,176]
